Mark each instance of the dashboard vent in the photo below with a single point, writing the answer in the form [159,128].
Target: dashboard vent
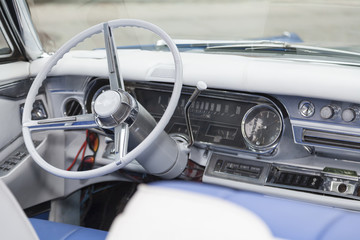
[72,107]
[331,139]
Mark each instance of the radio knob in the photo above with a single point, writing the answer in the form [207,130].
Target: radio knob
[327,112]
[342,188]
[348,115]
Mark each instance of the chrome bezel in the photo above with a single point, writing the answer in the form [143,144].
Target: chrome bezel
[97,93]
[271,145]
[312,107]
[67,100]
[126,113]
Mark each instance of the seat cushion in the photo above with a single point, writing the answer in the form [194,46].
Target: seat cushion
[48,230]
[286,218]
[167,213]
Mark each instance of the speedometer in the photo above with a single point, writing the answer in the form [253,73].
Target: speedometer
[261,127]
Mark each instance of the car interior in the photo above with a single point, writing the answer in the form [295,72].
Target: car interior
[178,139]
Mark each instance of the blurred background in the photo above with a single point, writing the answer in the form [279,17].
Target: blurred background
[331,23]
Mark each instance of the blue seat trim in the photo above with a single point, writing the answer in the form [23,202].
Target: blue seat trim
[289,219]
[48,230]
[44,216]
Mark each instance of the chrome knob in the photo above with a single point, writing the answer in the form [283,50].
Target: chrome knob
[306,109]
[327,112]
[107,103]
[114,107]
[342,188]
[348,115]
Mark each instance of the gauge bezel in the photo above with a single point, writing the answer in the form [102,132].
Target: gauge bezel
[269,146]
[97,93]
[72,98]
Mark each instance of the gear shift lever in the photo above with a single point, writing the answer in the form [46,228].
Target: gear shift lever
[200,86]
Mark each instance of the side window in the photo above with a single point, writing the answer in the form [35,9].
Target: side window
[9,49]
[5,49]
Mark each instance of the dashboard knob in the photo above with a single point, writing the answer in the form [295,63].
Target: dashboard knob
[306,109]
[348,115]
[342,188]
[327,112]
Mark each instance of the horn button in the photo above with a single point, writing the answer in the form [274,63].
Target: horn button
[112,108]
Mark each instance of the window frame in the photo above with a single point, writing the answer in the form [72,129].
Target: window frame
[16,54]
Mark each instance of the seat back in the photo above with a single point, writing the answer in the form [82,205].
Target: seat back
[13,221]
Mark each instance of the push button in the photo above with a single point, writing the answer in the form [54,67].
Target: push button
[315,182]
[245,167]
[297,179]
[255,169]
[304,180]
[281,178]
[19,155]
[289,178]
[9,162]
[218,165]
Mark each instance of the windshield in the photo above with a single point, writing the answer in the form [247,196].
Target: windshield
[323,23]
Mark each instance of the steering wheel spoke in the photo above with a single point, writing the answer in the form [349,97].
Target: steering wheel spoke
[121,141]
[115,77]
[63,123]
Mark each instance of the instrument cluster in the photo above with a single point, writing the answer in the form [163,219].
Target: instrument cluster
[219,118]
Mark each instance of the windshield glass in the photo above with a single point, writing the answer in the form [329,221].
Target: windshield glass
[323,23]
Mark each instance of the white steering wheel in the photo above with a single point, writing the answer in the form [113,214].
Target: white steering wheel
[87,121]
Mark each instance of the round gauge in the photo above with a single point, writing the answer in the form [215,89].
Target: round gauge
[261,127]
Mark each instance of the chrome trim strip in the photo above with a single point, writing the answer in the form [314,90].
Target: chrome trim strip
[26,31]
[62,120]
[325,126]
[298,127]
[331,136]
[287,193]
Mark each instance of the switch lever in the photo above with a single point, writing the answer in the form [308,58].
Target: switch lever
[200,86]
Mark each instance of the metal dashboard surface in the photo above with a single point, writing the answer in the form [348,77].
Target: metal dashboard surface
[216,115]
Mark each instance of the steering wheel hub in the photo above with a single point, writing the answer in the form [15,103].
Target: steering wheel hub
[113,107]
[107,103]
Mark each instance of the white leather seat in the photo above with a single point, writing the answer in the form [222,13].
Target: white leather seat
[165,213]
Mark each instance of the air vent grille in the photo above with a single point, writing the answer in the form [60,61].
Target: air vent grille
[72,107]
[331,139]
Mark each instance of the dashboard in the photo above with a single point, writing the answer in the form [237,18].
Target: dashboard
[246,138]
[254,131]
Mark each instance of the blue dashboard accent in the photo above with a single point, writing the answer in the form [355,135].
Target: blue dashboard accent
[50,125]
[83,123]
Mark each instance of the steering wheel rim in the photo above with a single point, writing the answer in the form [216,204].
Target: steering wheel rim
[27,123]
